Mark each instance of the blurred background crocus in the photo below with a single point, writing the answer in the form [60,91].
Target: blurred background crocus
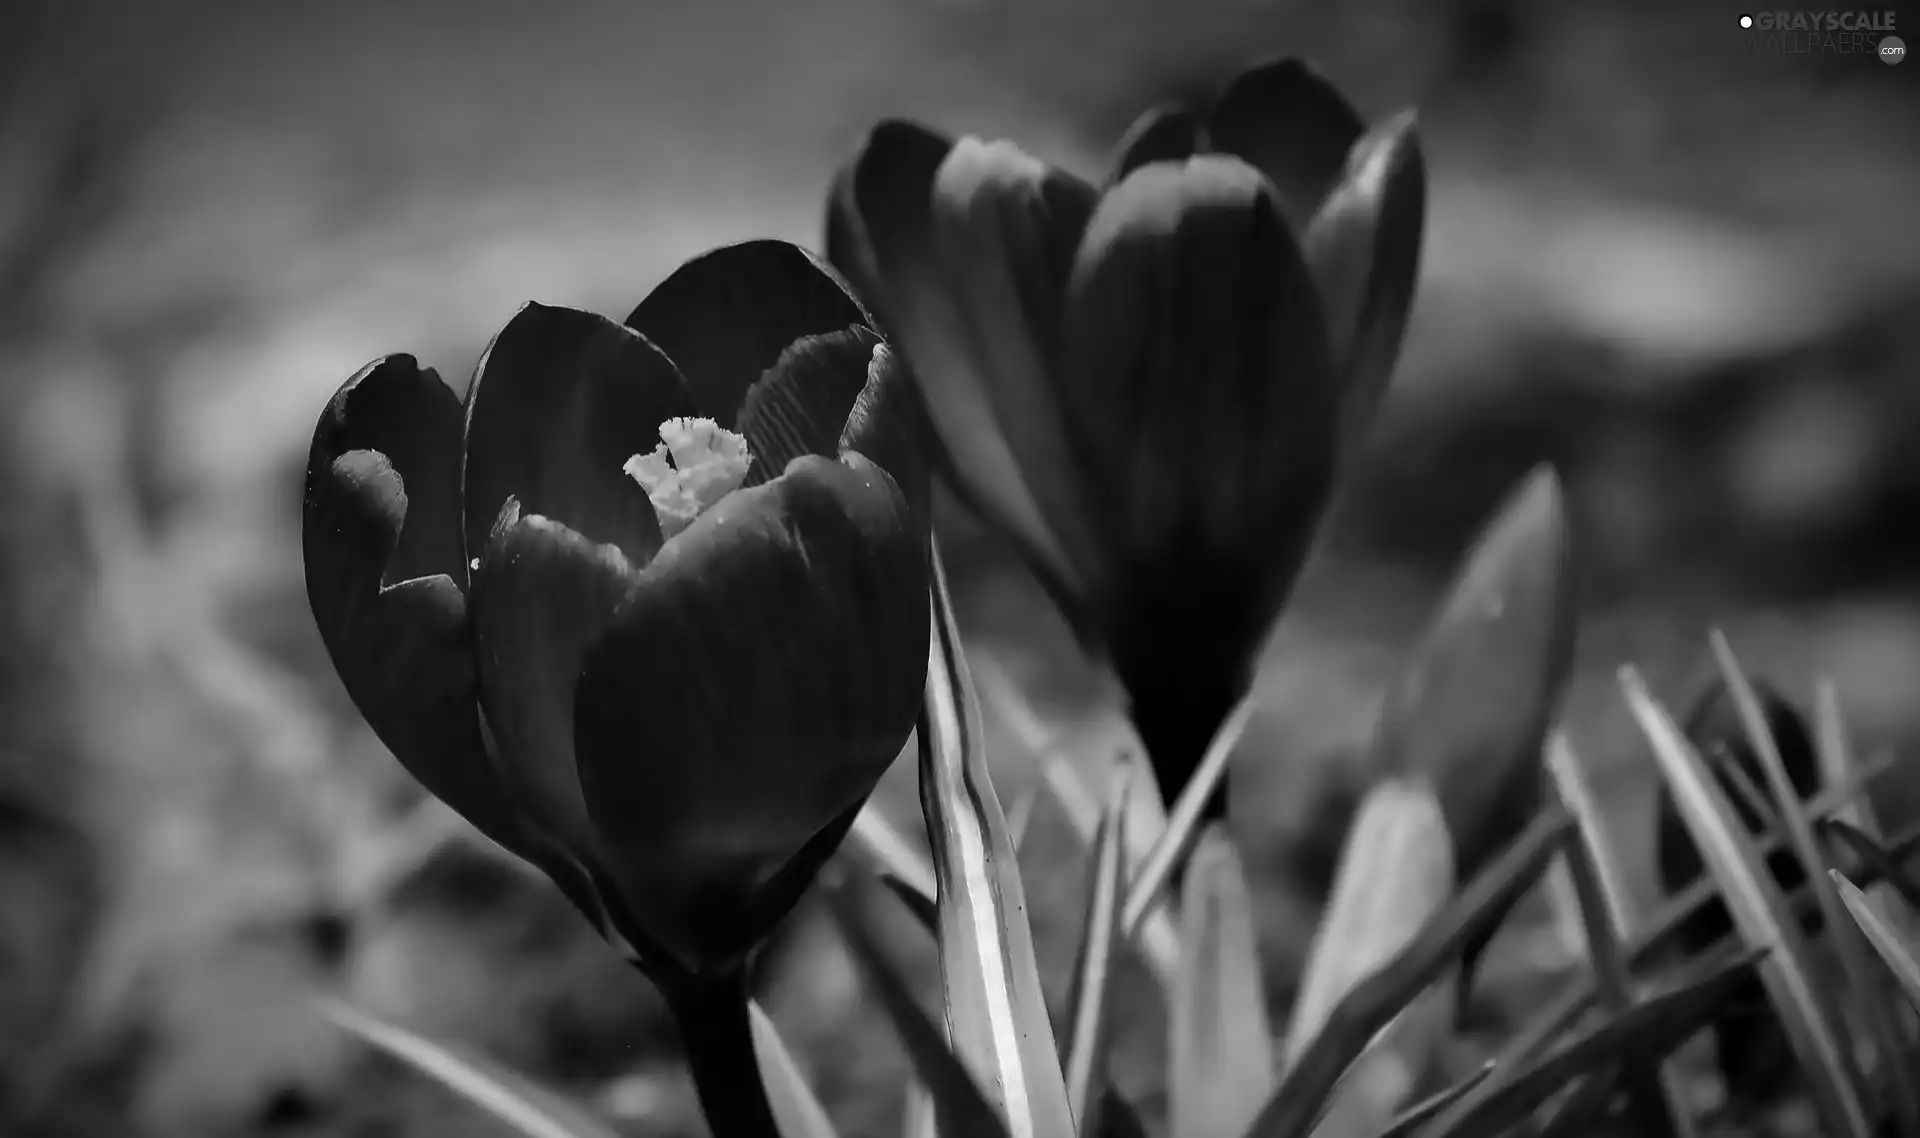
[647,612]
[1149,386]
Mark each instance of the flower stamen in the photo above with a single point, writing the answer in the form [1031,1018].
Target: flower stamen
[697,463]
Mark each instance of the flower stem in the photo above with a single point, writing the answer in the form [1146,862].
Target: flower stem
[717,1035]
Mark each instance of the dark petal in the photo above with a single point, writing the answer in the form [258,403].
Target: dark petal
[559,403]
[1006,227]
[1196,378]
[573,877]
[381,506]
[1196,373]
[889,183]
[800,405]
[894,184]
[542,594]
[1364,249]
[759,680]
[1286,119]
[888,424]
[1164,134]
[785,888]
[727,315]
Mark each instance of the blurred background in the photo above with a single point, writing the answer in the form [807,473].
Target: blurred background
[1687,274]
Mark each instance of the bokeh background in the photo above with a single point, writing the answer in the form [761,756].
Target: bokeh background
[1687,275]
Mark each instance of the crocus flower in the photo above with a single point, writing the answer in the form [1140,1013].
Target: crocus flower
[650,609]
[1149,385]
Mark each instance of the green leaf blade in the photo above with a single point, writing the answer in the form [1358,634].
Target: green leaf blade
[1471,914]
[858,905]
[1093,973]
[515,1100]
[1221,1045]
[796,1110]
[1395,873]
[1897,956]
[1660,1103]
[1759,912]
[1651,1029]
[996,1009]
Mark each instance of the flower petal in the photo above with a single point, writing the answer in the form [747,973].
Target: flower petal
[727,315]
[561,400]
[1006,227]
[1164,134]
[1196,377]
[1364,248]
[542,594]
[800,405]
[1286,119]
[381,506]
[893,193]
[888,424]
[760,678]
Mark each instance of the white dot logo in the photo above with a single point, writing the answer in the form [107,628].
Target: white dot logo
[1746,21]
[1892,49]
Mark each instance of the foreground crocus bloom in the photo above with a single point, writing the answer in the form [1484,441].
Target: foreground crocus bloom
[1149,385]
[651,609]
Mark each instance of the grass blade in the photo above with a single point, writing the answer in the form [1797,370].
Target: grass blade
[1659,1098]
[996,1010]
[795,1109]
[887,853]
[1086,1058]
[512,1098]
[1833,749]
[1861,981]
[1020,816]
[1665,926]
[1153,936]
[1663,929]
[1420,1113]
[1183,825]
[1896,955]
[1651,1029]
[1579,1107]
[1108,735]
[1374,1002]
[1869,852]
[962,1106]
[1840,764]
[1757,909]
[1221,1046]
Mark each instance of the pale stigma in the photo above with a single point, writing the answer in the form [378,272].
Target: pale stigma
[697,463]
